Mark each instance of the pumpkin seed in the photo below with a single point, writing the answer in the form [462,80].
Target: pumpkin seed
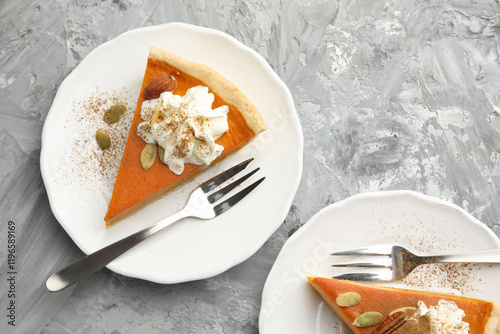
[102,138]
[161,153]
[368,319]
[156,113]
[148,156]
[408,310]
[348,299]
[114,113]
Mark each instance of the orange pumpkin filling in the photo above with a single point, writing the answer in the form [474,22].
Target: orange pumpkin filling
[134,186]
[482,316]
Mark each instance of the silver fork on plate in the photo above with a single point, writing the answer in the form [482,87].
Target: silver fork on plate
[201,204]
[401,261]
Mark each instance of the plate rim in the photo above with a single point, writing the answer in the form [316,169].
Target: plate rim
[298,162]
[366,195]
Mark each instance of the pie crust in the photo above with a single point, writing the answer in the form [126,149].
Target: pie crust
[217,84]
[482,316]
[136,187]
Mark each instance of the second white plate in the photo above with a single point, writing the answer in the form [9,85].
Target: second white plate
[423,223]
[191,249]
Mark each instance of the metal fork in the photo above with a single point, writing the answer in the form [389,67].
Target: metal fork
[201,204]
[402,262]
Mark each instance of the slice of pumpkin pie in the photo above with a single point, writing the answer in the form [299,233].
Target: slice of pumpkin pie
[188,118]
[370,309]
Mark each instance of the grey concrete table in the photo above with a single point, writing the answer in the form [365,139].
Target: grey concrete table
[391,95]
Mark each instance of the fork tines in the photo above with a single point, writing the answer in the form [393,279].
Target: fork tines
[218,180]
[224,176]
[219,194]
[379,256]
[375,253]
[372,250]
[367,277]
[385,262]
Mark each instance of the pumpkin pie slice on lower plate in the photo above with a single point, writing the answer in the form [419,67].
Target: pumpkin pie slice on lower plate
[192,116]
[383,310]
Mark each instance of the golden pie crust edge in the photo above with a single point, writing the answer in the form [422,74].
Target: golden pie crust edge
[217,83]
[493,324]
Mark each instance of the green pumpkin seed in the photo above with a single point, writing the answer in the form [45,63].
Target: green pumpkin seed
[102,138]
[161,154]
[156,113]
[114,113]
[348,299]
[148,156]
[408,310]
[368,319]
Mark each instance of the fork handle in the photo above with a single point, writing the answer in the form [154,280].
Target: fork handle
[489,256]
[92,263]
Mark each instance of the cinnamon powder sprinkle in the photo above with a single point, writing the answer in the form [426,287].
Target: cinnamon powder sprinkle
[458,278]
[87,165]
[454,278]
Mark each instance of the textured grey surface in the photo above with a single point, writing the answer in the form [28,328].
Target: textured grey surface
[390,94]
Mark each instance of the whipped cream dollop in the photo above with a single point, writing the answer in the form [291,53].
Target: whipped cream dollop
[444,318]
[186,127]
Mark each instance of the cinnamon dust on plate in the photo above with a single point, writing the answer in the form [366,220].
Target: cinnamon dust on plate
[458,278]
[454,278]
[86,164]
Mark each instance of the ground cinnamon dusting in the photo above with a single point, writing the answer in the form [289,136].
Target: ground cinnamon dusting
[454,278]
[457,278]
[86,164]
[422,326]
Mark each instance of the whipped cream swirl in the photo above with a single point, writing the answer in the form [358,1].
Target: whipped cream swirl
[186,127]
[445,317]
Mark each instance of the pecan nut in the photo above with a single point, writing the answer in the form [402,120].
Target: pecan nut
[391,323]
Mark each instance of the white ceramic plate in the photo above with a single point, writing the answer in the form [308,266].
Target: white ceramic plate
[191,249]
[427,225]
